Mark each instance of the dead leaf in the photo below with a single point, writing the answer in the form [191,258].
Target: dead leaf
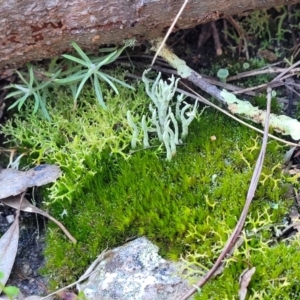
[26,206]
[8,249]
[267,54]
[244,282]
[294,171]
[13,182]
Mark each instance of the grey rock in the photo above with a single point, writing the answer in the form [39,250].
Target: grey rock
[10,219]
[134,271]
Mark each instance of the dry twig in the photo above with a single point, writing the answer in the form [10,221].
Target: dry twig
[169,31]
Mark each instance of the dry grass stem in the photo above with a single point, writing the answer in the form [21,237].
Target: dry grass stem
[169,31]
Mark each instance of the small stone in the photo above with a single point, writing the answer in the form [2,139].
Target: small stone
[26,270]
[10,218]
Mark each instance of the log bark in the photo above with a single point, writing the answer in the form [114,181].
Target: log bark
[33,30]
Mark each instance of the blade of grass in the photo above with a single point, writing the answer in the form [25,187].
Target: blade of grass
[105,78]
[86,77]
[107,49]
[71,79]
[78,60]
[19,102]
[106,60]
[116,55]
[120,82]
[43,106]
[46,83]
[81,53]
[98,91]
[12,94]
[22,78]
[22,88]
[31,76]
[37,100]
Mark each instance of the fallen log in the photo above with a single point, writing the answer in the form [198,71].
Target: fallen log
[34,30]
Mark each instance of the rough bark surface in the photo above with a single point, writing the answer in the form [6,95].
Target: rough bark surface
[32,30]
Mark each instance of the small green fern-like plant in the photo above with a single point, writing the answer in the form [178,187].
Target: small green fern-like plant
[91,69]
[31,88]
[36,83]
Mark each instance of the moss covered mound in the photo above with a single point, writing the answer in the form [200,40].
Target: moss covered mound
[188,206]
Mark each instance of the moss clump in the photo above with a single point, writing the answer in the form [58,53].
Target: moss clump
[75,140]
[276,276]
[260,101]
[188,206]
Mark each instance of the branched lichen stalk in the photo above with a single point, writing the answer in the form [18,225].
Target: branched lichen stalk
[163,121]
[187,121]
[145,132]
[135,133]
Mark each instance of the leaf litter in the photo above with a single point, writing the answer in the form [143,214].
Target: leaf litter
[14,184]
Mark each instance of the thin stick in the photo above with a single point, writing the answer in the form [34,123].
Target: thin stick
[251,191]
[169,31]
[197,96]
[286,71]
[260,72]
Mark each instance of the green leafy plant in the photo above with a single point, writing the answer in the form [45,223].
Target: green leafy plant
[10,291]
[36,82]
[187,206]
[74,135]
[31,88]
[223,74]
[257,23]
[246,65]
[91,69]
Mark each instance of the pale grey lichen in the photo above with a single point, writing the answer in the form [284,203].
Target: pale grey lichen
[135,133]
[283,124]
[163,121]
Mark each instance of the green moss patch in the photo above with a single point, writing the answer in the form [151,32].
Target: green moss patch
[188,206]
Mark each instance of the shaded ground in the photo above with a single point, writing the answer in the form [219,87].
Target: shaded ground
[25,274]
